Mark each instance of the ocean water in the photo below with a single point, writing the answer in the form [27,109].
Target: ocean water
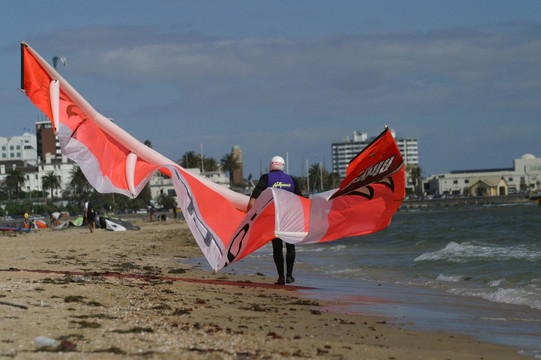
[470,269]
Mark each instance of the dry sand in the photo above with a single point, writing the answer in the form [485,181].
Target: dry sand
[164,308]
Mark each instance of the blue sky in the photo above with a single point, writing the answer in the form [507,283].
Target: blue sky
[463,77]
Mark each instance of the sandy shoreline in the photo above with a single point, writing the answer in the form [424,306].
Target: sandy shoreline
[165,309]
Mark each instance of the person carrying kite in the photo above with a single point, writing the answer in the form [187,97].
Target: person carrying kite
[277,178]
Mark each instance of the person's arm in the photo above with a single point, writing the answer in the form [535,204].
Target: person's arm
[260,187]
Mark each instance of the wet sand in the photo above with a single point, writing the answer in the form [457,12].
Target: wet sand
[124,295]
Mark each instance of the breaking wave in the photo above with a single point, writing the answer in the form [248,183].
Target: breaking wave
[471,251]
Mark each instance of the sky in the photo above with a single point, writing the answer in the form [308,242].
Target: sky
[291,77]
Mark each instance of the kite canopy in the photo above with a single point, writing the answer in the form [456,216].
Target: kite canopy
[113,161]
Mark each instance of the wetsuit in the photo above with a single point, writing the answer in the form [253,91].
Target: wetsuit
[281,180]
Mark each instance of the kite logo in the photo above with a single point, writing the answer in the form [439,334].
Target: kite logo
[369,175]
[237,244]
[237,241]
[368,191]
[374,170]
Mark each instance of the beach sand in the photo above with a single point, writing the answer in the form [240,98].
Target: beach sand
[130,295]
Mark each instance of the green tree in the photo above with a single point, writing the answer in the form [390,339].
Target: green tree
[415,174]
[190,160]
[319,178]
[51,181]
[333,181]
[78,189]
[210,164]
[301,181]
[229,164]
[167,201]
[14,180]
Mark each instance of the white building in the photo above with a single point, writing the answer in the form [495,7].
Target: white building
[409,148]
[524,176]
[62,167]
[19,148]
[22,152]
[347,149]
[161,184]
[34,174]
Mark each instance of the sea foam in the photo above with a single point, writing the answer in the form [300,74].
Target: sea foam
[468,251]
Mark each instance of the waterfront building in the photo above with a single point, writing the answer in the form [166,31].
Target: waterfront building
[347,149]
[61,166]
[34,173]
[409,148]
[162,184]
[524,176]
[21,148]
[46,140]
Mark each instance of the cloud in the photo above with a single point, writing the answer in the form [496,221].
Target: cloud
[251,87]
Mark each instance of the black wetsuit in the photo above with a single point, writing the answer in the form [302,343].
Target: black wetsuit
[284,181]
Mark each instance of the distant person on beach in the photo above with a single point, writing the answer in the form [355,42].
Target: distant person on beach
[26,222]
[151,210]
[278,179]
[90,216]
[55,219]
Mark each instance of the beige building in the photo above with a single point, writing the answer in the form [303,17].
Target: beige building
[489,186]
[523,177]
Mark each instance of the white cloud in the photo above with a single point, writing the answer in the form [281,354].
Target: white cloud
[412,81]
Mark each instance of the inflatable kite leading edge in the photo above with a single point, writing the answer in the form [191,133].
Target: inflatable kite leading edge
[114,161]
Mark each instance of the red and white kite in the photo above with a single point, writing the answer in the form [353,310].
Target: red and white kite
[113,161]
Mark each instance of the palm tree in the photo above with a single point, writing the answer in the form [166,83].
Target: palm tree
[229,164]
[79,186]
[319,177]
[210,164]
[51,182]
[334,180]
[415,173]
[190,160]
[15,179]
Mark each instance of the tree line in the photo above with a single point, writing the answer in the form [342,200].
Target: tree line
[78,190]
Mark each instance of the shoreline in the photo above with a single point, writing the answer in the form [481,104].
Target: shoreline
[415,306]
[153,315]
[465,201]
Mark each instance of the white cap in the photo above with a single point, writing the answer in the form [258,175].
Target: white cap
[277,163]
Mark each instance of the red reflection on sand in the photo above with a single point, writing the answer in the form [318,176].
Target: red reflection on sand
[163,278]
